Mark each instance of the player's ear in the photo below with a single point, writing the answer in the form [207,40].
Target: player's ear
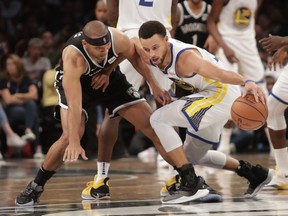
[166,38]
[84,42]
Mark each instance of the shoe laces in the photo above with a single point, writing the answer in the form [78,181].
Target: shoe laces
[28,191]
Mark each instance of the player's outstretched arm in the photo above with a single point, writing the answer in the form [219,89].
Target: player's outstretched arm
[191,62]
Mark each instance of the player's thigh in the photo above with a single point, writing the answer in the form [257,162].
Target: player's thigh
[139,115]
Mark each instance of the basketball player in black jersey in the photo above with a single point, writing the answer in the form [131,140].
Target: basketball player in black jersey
[94,51]
[192,24]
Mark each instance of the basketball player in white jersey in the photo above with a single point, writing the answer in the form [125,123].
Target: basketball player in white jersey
[277,103]
[203,110]
[130,14]
[232,24]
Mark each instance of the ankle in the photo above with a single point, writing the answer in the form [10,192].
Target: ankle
[188,175]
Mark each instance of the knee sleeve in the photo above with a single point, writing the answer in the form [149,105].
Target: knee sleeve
[213,159]
[276,118]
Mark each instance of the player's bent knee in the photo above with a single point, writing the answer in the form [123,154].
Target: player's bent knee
[276,119]
[154,119]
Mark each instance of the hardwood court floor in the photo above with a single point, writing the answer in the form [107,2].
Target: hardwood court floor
[134,189]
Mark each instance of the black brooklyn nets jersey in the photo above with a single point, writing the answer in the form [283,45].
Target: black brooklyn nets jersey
[93,67]
[192,28]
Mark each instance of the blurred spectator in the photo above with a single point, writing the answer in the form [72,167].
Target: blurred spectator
[19,95]
[101,12]
[9,10]
[12,139]
[4,52]
[34,64]
[48,48]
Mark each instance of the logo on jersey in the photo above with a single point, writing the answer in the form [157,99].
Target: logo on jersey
[94,71]
[133,93]
[111,60]
[181,88]
[242,17]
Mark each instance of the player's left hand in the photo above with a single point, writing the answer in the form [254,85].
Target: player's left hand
[252,87]
[279,57]
[72,152]
[161,96]
[100,80]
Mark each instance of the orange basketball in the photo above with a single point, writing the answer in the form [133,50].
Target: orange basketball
[248,114]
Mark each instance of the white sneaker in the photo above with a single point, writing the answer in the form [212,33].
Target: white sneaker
[279,182]
[161,163]
[29,136]
[2,162]
[38,155]
[148,155]
[15,141]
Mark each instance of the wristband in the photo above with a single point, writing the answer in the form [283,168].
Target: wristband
[246,81]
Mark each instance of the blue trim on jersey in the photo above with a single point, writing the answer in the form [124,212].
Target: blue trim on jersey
[279,99]
[171,51]
[202,139]
[178,54]
[190,120]
[259,82]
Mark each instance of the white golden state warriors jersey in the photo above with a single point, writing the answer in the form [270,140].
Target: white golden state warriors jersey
[133,13]
[237,19]
[195,83]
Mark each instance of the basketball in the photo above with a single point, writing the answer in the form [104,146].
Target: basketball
[248,114]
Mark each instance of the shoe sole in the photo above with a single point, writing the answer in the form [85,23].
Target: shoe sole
[260,186]
[26,204]
[184,199]
[210,198]
[89,197]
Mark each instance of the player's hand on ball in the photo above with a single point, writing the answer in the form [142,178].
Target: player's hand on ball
[252,88]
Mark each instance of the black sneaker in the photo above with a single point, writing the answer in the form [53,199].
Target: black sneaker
[212,196]
[186,193]
[30,195]
[257,176]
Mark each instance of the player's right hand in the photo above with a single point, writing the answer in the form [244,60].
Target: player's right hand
[72,153]
[230,55]
[161,95]
[252,87]
[100,80]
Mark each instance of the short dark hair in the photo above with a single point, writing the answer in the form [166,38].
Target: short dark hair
[150,28]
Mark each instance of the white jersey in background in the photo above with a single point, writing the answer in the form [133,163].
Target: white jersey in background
[237,19]
[133,13]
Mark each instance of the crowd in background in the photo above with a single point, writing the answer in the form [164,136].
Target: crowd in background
[34,33]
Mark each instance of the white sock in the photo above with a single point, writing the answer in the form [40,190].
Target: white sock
[102,170]
[171,173]
[270,142]
[225,138]
[281,157]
